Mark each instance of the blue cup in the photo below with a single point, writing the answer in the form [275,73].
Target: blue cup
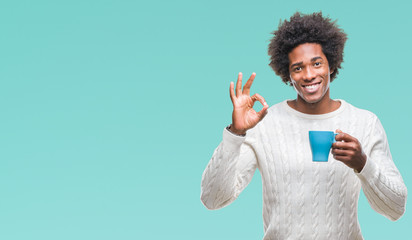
[320,144]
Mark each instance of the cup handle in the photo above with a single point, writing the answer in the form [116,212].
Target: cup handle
[334,140]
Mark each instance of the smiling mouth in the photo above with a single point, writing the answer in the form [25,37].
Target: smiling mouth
[311,86]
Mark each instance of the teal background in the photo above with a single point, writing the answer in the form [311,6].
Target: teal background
[111,110]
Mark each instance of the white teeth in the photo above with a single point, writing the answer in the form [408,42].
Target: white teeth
[311,86]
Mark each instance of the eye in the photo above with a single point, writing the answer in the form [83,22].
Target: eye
[297,69]
[317,64]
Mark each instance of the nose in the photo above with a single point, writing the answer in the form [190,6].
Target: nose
[309,74]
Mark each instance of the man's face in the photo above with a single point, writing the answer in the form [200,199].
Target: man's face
[309,71]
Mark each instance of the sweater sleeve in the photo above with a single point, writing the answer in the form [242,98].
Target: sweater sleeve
[381,181]
[229,171]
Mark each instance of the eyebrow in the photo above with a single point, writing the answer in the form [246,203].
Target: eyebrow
[300,63]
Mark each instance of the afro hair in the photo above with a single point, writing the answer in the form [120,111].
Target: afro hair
[311,28]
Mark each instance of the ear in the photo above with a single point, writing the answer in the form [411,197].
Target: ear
[331,71]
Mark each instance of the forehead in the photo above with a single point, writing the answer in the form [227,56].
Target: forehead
[305,52]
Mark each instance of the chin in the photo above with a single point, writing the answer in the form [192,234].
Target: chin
[312,99]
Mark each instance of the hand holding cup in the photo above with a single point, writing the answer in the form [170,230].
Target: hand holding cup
[348,150]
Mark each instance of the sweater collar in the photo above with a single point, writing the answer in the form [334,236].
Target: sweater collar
[315,116]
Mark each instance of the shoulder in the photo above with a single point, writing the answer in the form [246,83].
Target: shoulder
[275,114]
[278,109]
[355,112]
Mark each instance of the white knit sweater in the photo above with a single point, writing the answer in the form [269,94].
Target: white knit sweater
[304,199]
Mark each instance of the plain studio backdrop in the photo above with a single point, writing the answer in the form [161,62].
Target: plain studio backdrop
[111,110]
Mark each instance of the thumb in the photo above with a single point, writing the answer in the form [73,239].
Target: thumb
[262,113]
[338,131]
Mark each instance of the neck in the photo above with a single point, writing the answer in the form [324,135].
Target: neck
[325,105]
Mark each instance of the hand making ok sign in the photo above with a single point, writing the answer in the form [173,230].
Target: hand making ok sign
[244,117]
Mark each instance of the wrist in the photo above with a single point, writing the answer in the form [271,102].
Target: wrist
[231,129]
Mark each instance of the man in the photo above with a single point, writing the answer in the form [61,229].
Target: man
[304,199]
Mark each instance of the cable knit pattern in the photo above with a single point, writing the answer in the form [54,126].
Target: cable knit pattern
[304,199]
[286,186]
[341,204]
[300,209]
[330,181]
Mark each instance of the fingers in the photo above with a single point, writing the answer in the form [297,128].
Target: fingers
[342,158]
[232,91]
[246,88]
[236,92]
[345,145]
[348,150]
[262,113]
[257,97]
[344,137]
[239,84]
[346,142]
[350,158]
[342,152]
[345,156]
